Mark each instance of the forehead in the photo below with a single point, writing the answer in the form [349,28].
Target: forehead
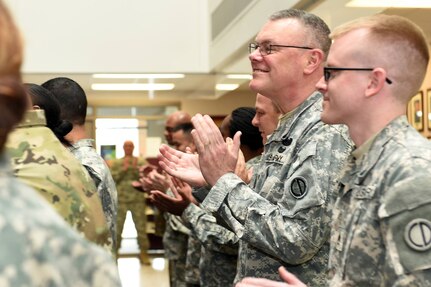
[347,47]
[281,30]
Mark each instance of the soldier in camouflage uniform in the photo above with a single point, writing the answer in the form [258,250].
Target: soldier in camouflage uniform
[381,223]
[283,217]
[73,103]
[219,251]
[125,171]
[40,160]
[382,219]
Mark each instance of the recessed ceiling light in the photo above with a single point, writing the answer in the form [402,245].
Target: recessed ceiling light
[390,3]
[132,87]
[138,76]
[239,76]
[226,87]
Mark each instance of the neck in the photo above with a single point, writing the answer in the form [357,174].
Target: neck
[363,129]
[76,134]
[290,99]
[249,154]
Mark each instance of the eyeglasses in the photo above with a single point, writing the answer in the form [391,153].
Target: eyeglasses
[266,49]
[327,72]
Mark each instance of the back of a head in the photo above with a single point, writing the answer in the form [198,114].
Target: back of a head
[47,102]
[72,99]
[241,120]
[396,44]
[317,30]
[11,50]
[13,99]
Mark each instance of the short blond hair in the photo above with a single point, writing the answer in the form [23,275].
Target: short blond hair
[397,43]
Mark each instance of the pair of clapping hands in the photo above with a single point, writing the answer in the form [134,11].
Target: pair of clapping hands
[215,158]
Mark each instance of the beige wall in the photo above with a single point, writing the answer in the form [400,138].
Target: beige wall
[221,106]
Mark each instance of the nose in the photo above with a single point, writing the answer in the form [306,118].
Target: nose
[322,85]
[255,121]
[255,55]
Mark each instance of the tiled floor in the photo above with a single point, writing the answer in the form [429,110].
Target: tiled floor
[132,273]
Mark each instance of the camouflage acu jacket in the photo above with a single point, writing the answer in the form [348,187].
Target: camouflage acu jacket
[84,151]
[381,234]
[283,217]
[40,160]
[39,249]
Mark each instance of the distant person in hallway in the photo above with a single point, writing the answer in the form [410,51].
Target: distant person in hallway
[124,171]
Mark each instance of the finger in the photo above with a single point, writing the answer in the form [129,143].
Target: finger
[261,282]
[213,131]
[199,137]
[175,191]
[290,278]
[236,143]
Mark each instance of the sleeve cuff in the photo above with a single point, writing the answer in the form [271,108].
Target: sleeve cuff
[219,191]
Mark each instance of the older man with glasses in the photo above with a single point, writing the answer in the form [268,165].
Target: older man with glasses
[283,217]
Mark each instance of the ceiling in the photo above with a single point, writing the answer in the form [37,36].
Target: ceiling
[202,86]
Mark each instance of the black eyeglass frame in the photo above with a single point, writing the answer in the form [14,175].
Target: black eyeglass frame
[327,72]
[254,46]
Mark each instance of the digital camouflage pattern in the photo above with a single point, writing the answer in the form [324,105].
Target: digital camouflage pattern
[39,249]
[284,217]
[40,160]
[175,245]
[192,262]
[129,199]
[381,234]
[219,250]
[84,151]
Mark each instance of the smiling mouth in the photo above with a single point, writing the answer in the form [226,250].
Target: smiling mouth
[259,70]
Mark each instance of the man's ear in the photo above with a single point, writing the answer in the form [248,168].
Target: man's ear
[376,82]
[314,61]
[36,107]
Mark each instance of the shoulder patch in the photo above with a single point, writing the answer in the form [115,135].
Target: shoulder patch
[417,234]
[298,187]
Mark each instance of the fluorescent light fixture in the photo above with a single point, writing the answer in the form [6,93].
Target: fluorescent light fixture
[239,76]
[132,87]
[226,87]
[138,76]
[390,3]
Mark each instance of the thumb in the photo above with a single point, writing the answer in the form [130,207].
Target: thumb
[236,142]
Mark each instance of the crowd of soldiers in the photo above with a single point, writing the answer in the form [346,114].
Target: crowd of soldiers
[323,183]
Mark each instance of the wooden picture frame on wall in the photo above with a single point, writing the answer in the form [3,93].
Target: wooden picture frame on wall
[428,112]
[415,111]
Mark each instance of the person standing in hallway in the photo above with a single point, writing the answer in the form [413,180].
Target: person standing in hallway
[73,103]
[125,171]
